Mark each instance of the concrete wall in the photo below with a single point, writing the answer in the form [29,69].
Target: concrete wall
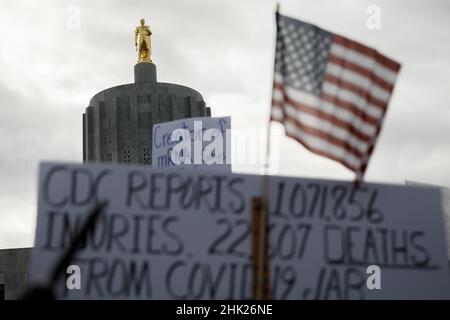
[14,272]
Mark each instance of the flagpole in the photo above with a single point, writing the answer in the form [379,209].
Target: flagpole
[269,126]
[260,220]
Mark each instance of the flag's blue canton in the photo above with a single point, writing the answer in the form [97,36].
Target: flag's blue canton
[301,54]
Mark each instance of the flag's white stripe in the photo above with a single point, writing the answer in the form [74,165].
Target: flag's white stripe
[351,97]
[277,95]
[323,125]
[316,142]
[277,77]
[326,107]
[364,61]
[331,89]
[277,113]
[327,127]
[322,145]
[358,80]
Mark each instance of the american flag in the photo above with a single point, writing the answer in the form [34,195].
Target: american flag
[330,93]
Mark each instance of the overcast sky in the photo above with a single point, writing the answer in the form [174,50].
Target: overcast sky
[223,49]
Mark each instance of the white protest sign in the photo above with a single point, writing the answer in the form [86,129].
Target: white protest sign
[186,235]
[445,201]
[194,143]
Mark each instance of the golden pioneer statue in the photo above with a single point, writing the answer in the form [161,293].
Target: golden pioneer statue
[142,41]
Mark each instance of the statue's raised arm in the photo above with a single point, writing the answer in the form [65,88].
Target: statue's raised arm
[142,41]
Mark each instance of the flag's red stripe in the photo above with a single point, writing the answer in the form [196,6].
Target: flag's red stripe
[313,149]
[365,162]
[324,136]
[350,107]
[325,116]
[338,103]
[358,90]
[277,104]
[352,130]
[362,71]
[381,59]
[322,153]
